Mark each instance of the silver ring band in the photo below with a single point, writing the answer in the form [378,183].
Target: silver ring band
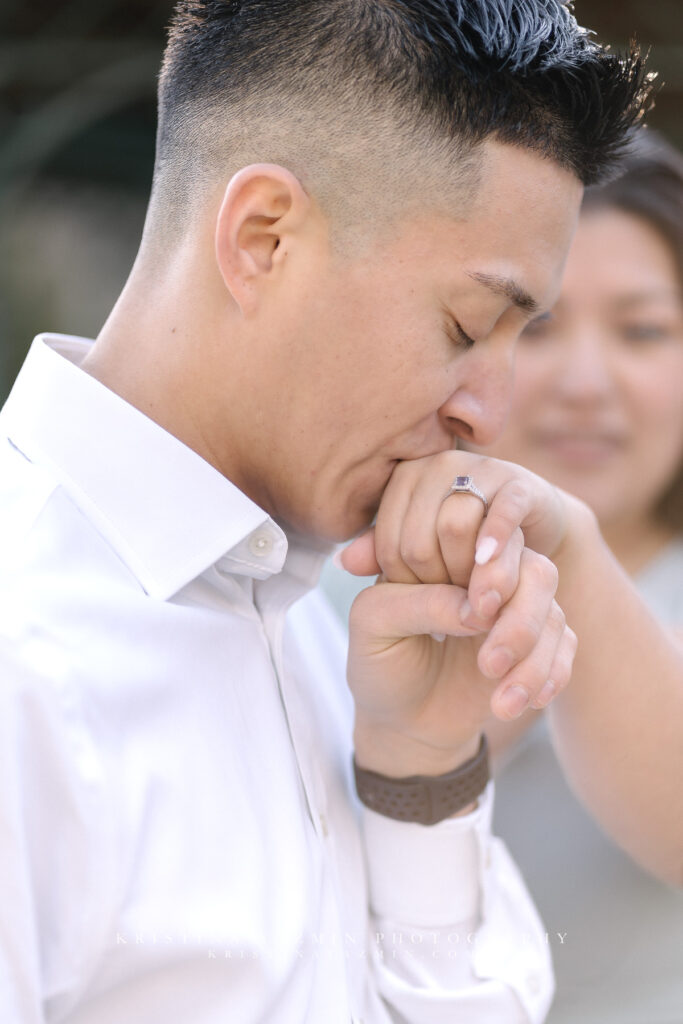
[466,485]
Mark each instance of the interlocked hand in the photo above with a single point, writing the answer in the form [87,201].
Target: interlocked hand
[463,620]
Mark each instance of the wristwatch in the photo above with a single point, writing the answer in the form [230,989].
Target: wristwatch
[425,799]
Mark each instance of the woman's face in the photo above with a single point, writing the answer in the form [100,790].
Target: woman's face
[598,399]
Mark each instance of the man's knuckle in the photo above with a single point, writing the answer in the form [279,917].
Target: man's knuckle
[531,626]
[557,616]
[457,527]
[571,640]
[563,672]
[417,554]
[551,572]
[541,571]
[524,633]
[501,578]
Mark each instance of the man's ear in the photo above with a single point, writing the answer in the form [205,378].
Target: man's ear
[263,210]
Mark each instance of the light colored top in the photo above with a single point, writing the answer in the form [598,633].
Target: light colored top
[616,934]
[179,837]
[661,584]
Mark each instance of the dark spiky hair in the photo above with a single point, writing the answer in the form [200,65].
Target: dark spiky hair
[376,90]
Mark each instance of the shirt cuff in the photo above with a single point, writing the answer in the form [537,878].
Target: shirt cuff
[427,875]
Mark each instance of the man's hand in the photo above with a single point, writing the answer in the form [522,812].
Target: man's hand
[447,571]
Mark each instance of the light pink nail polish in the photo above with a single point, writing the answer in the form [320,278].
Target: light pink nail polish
[485,550]
[336,560]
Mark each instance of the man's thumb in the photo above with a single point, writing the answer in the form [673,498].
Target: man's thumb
[359,557]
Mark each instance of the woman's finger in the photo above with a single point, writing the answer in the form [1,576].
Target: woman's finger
[493,585]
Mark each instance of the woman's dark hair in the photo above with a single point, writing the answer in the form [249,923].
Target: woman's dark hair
[650,186]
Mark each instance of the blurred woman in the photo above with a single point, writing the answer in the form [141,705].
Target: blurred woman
[598,410]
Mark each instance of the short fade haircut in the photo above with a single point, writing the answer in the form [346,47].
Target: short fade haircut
[383,95]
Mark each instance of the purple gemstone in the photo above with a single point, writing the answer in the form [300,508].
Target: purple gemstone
[462,481]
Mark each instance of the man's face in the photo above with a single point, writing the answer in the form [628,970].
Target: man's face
[370,367]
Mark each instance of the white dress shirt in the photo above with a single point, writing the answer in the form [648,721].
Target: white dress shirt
[180,842]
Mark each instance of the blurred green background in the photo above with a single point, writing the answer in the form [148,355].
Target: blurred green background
[77,119]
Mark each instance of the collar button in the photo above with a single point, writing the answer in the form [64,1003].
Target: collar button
[260,544]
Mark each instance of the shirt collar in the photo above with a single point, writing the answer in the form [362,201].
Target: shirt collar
[167,513]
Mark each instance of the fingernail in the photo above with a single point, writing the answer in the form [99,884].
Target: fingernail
[489,603]
[439,637]
[485,550]
[514,701]
[465,610]
[336,560]
[546,694]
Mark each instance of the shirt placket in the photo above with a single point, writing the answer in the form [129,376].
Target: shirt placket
[297,714]
[305,743]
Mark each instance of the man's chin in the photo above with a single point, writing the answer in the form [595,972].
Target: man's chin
[336,521]
[338,526]
[350,526]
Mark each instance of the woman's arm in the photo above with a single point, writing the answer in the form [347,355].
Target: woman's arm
[618,728]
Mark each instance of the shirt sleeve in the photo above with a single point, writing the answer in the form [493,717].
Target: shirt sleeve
[455,935]
[55,843]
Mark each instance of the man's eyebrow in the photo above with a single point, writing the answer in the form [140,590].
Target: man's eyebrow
[509,288]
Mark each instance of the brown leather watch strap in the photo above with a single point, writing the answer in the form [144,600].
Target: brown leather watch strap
[425,799]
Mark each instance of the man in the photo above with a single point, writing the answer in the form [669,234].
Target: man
[345,195]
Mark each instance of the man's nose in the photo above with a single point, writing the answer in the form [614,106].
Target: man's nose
[477,410]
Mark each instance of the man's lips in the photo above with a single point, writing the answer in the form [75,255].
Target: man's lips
[424,452]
